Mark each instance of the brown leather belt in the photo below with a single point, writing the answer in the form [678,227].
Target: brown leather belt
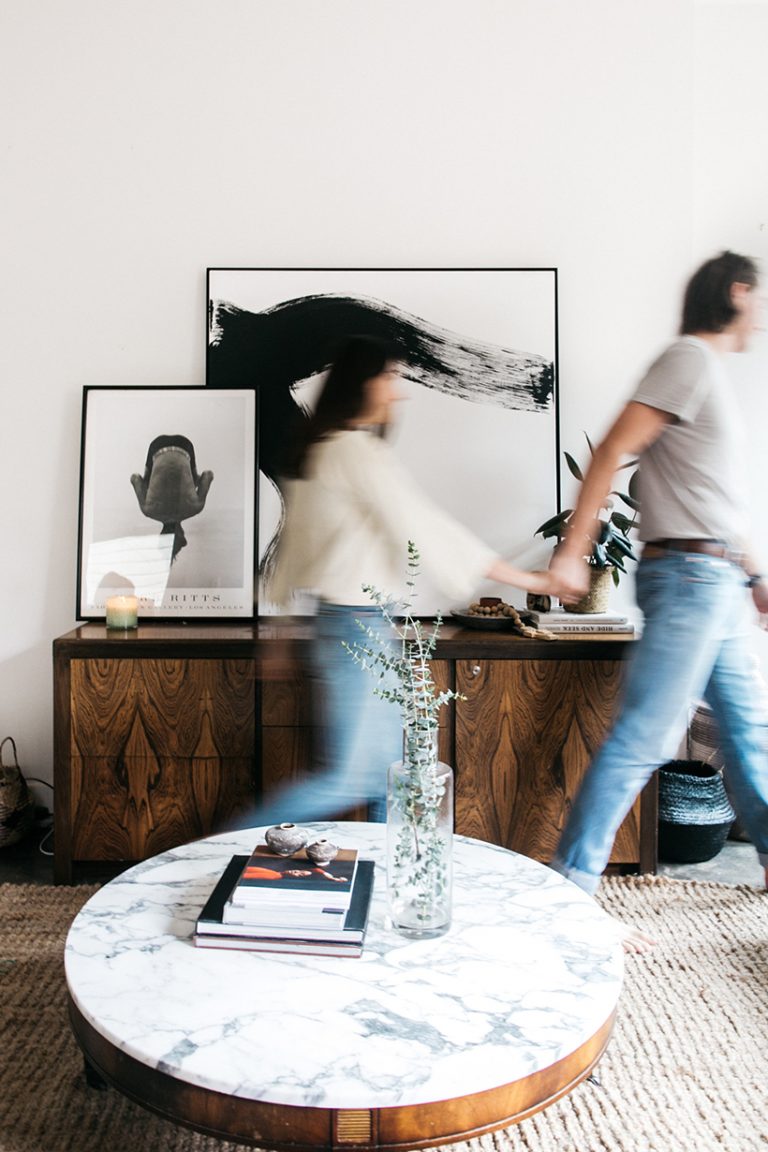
[705,547]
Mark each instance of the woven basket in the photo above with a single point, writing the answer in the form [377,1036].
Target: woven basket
[596,600]
[704,744]
[695,814]
[17,810]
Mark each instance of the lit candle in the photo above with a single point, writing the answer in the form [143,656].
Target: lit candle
[122,612]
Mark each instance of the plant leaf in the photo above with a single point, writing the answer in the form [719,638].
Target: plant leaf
[623,546]
[630,501]
[573,467]
[622,522]
[553,526]
[632,486]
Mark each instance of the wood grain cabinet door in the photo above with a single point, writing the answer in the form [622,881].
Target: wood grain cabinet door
[525,735]
[162,752]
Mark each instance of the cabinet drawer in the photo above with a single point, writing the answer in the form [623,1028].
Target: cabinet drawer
[288,702]
[180,708]
[134,805]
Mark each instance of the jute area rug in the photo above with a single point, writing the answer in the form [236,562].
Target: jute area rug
[686,1070]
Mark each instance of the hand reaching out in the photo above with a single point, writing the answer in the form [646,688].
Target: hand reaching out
[569,577]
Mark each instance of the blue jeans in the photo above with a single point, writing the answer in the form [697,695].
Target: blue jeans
[358,735]
[694,644]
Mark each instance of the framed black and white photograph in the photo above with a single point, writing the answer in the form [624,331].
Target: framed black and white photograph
[479,428]
[168,502]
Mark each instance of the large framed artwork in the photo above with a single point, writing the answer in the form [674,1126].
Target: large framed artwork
[479,430]
[168,502]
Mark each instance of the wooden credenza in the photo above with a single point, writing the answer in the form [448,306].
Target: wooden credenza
[167,733]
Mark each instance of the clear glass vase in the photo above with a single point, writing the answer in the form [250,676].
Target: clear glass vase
[420,839]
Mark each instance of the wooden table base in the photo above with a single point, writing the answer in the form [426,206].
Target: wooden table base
[297,1129]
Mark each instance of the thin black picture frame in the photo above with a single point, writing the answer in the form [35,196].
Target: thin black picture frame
[168,499]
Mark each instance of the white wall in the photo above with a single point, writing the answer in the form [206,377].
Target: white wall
[145,141]
[730,198]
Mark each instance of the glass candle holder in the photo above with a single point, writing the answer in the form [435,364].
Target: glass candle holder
[122,612]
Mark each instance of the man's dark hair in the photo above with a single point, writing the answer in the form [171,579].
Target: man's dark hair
[707,304]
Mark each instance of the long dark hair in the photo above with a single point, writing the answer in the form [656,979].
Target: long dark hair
[707,304]
[355,361]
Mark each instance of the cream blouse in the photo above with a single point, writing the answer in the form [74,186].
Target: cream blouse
[348,523]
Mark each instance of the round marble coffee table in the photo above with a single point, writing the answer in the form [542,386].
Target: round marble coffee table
[414,1044]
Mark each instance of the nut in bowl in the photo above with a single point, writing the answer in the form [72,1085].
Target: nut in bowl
[490,613]
[494,615]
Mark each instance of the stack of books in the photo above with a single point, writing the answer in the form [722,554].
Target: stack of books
[571,623]
[269,903]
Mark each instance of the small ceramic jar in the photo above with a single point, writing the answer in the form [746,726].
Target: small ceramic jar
[322,851]
[285,839]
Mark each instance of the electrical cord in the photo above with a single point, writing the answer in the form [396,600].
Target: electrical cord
[49,834]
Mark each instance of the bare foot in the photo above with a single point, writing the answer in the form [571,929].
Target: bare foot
[632,939]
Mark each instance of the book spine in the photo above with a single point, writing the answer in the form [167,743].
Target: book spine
[561,619]
[615,629]
[243,944]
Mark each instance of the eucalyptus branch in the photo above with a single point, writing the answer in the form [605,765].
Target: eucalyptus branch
[403,658]
[399,659]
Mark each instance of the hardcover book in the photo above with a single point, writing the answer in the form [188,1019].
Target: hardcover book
[346,930]
[291,947]
[561,616]
[586,629]
[282,880]
[560,621]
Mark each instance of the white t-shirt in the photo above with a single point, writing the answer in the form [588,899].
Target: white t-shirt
[692,481]
[348,523]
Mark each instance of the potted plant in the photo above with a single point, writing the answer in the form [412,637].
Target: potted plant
[612,548]
[420,787]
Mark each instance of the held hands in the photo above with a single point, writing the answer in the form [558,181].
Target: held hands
[569,576]
[539,583]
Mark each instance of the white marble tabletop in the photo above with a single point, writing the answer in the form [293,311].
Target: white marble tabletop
[530,970]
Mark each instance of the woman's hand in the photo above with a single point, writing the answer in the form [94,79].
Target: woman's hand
[504,573]
[540,583]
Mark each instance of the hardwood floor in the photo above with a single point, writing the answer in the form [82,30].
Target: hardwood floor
[25,863]
[31,862]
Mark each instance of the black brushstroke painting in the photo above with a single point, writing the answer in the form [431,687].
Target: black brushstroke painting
[291,341]
[294,340]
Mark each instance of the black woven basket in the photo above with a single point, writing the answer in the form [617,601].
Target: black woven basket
[695,814]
